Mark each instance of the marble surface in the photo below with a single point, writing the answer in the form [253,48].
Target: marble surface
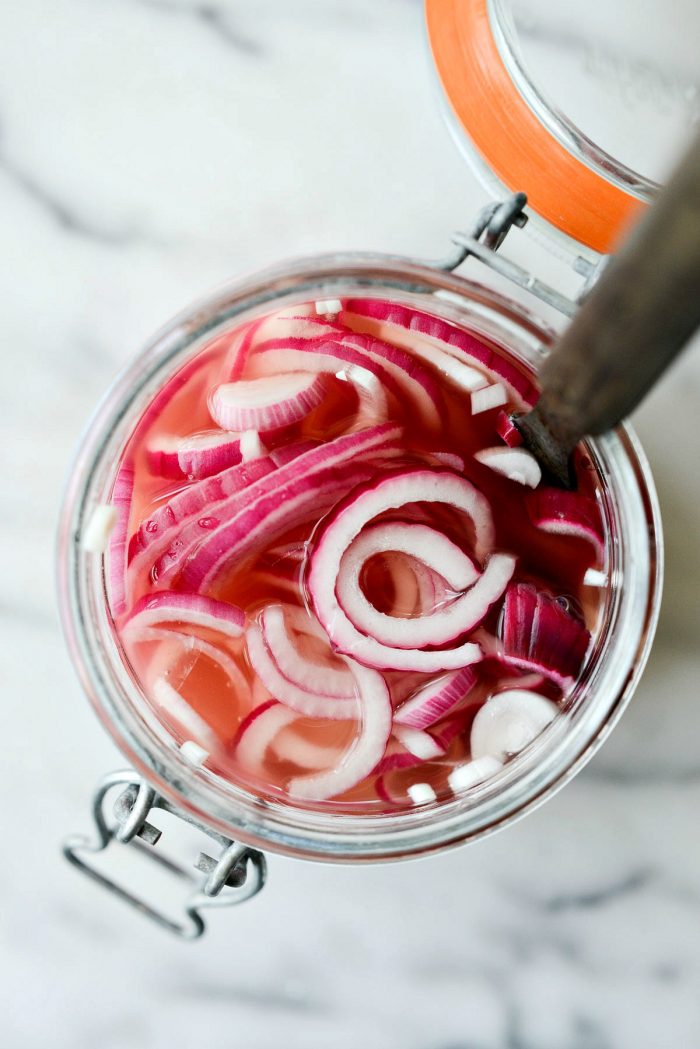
[148,150]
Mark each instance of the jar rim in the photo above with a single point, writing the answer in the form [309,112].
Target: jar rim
[546,765]
[521,140]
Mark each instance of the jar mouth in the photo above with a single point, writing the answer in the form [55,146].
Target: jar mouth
[548,763]
[516,139]
[558,123]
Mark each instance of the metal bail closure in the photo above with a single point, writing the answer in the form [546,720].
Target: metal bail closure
[236,875]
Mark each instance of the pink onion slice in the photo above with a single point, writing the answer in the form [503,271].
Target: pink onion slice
[268,402]
[472,773]
[303,701]
[455,462]
[122,497]
[373,405]
[258,730]
[239,351]
[251,446]
[323,679]
[283,455]
[442,626]
[451,338]
[304,753]
[540,634]
[271,506]
[189,643]
[200,455]
[398,370]
[367,749]
[419,743]
[396,757]
[507,430]
[435,351]
[177,707]
[198,500]
[567,513]
[508,722]
[347,522]
[168,606]
[294,504]
[317,355]
[517,464]
[418,541]
[489,397]
[436,699]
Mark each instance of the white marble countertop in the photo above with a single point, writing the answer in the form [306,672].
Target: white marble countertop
[148,150]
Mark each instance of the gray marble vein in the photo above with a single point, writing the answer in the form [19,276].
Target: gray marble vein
[217,18]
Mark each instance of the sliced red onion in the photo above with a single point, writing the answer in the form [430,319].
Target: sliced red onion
[169,606]
[398,370]
[239,351]
[323,679]
[376,441]
[303,701]
[94,538]
[421,744]
[453,340]
[122,497]
[373,406]
[455,462]
[415,380]
[283,455]
[507,430]
[268,402]
[367,749]
[567,513]
[508,722]
[272,506]
[174,704]
[136,634]
[251,446]
[258,730]
[436,699]
[330,307]
[473,772]
[539,634]
[418,541]
[433,549]
[489,397]
[517,464]
[442,626]
[452,726]
[396,757]
[304,753]
[197,501]
[385,494]
[314,354]
[201,455]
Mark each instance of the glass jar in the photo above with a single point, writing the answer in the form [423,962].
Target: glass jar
[583,106]
[629,615]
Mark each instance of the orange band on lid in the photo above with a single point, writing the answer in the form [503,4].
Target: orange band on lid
[512,141]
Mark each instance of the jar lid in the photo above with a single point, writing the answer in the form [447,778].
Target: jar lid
[535,94]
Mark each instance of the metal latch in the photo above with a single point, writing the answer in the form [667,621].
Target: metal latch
[236,874]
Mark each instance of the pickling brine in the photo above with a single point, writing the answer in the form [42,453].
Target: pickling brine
[337,577]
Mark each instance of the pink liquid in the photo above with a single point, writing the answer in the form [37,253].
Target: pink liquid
[211,703]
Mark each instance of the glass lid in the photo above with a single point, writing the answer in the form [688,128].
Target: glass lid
[585,107]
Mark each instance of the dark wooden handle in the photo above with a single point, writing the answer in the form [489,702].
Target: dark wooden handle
[638,316]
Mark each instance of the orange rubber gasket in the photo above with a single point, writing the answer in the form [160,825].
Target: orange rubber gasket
[517,147]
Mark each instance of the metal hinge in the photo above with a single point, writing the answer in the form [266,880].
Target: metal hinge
[484,238]
[235,875]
